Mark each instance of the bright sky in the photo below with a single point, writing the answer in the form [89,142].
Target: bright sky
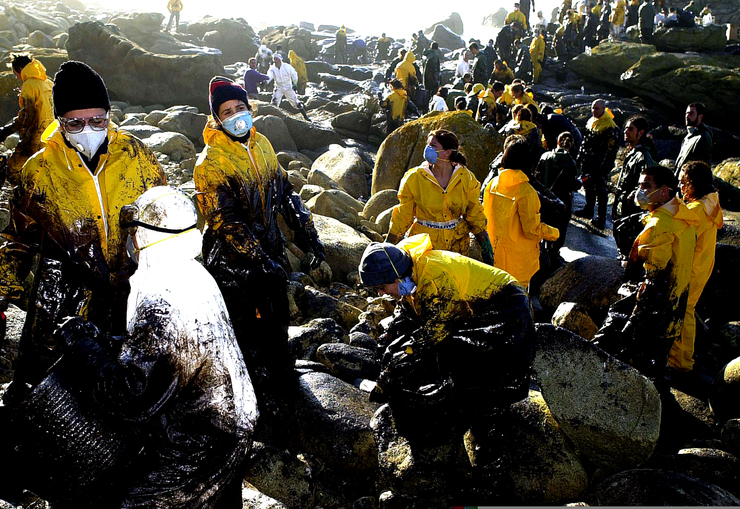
[397,19]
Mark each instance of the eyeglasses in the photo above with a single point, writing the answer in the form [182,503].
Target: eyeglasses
[76,125]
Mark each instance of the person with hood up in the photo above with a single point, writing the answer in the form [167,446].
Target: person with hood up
[176,381]
[512,208]
[406,73]
[300,68]
[66,208]
[241,191]
[340,46]
[642,327]
[697,187]
[35,115]
[440,198]
[618,18]
[395,106]
[455,318]
[285,78]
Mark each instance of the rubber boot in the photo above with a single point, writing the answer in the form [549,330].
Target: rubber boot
[303,112]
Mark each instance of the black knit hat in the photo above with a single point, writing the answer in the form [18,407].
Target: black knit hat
[383,263]
[223,89]
[78,87]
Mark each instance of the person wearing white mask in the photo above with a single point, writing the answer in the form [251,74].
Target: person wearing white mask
[66,209]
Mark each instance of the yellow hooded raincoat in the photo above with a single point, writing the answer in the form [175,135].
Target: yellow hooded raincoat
[397,102]
[300,67]
[709,213]
[618,13]
[448,285]
[512,208]
[405,71]
[537,52]
[666,248]
[35,115]
[446,215]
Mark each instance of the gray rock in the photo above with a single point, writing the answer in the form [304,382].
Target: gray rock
[454,22]
[135,75]
[343,245]
[696,38]
[281,476]
[276,131]
[321,179]
[154,117]
[647,487]
[305,339]
[348,362]
[338,83]
[39,39]
[338,205]
[731,436]
[309,136]
[447,38]
[607,409]
[185,122]
[363,340]
[314,67]
[726,391]
[346,168]
[352,121]
[234,37]
[592,282]
[254,499]
[142,131]
[33,21]
[285,157]
[335,421]
[571,316]
[308,191]
[317,304]
[379,202]
[171,144]
[384,221]
[710,465]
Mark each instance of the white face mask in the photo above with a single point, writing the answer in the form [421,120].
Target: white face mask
[87,142]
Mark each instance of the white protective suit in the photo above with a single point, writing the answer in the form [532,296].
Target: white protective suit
[285,78]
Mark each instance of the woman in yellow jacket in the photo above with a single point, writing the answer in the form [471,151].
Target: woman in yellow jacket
[35,115]
[696,181]
[241,192]
[440,198]
[66,208]
[512,208]
[300,67]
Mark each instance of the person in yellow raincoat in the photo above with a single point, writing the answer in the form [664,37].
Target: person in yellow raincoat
[659,266]
[512,208]
[35,115]
[66,207]
[395,106]
[175,8]
[440,198]
[456,317]
[696,181]
[537,52]
[242,191]
[517,16]
[521,97]
[522,125]
[617,19]
[406,73]
[501,72]
[300,67]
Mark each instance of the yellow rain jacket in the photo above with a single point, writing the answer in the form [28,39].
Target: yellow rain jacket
[71,214]
[35,115]
[525,99]
[537,52]
[604,122]
[666,249]
[300,67]
[446,215]
[512,208]
[506,76]
[487,97]
[506,97]
[448,285]
[618,13]
[405,71]
[174,5]
[516,16]
[596,10]
[709,213]
[397,102]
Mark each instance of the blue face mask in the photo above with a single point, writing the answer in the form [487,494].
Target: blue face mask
[238,124]
[406,286]
[430,154]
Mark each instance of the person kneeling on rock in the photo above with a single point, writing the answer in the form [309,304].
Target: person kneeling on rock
[160,417]
[456,356]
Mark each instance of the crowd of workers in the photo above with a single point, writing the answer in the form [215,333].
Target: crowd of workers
[181,380]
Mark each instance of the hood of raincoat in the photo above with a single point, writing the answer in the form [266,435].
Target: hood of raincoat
[676,208]
[34,69]
[712,208]
[511,178]
[602,123]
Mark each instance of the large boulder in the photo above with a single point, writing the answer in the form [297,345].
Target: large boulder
[276,131]
[447,38]
[292,38]
[311,136]
[335,423]
[337,204]
[729,171]
[571,316]
[404,148]
[185,122]
[607,61]
[234,37]
[280,475]
[497,19]
[142,28]
[354,124]
[454,22]
[137,76]
[39,39]
[710,465]
[346,167]
[380,202]
[546,470]
[591,282]
[35,21]
[648,487]
[696,38]
[610,411]
[177,146]
[669,79]
[343,246]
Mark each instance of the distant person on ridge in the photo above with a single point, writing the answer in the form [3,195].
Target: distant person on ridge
[174,6]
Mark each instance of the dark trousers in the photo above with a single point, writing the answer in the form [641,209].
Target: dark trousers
[596,192]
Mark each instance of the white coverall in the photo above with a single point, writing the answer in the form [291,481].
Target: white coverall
[285,78]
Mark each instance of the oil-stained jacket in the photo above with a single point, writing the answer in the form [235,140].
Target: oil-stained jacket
[300,68]
[241,190]
[448,285]
[406,72]
[512,208]
[446,215]
[709,214]
[70,213]
[599,147]
[636,160]
[665,248]
[396,103]
[35,115]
